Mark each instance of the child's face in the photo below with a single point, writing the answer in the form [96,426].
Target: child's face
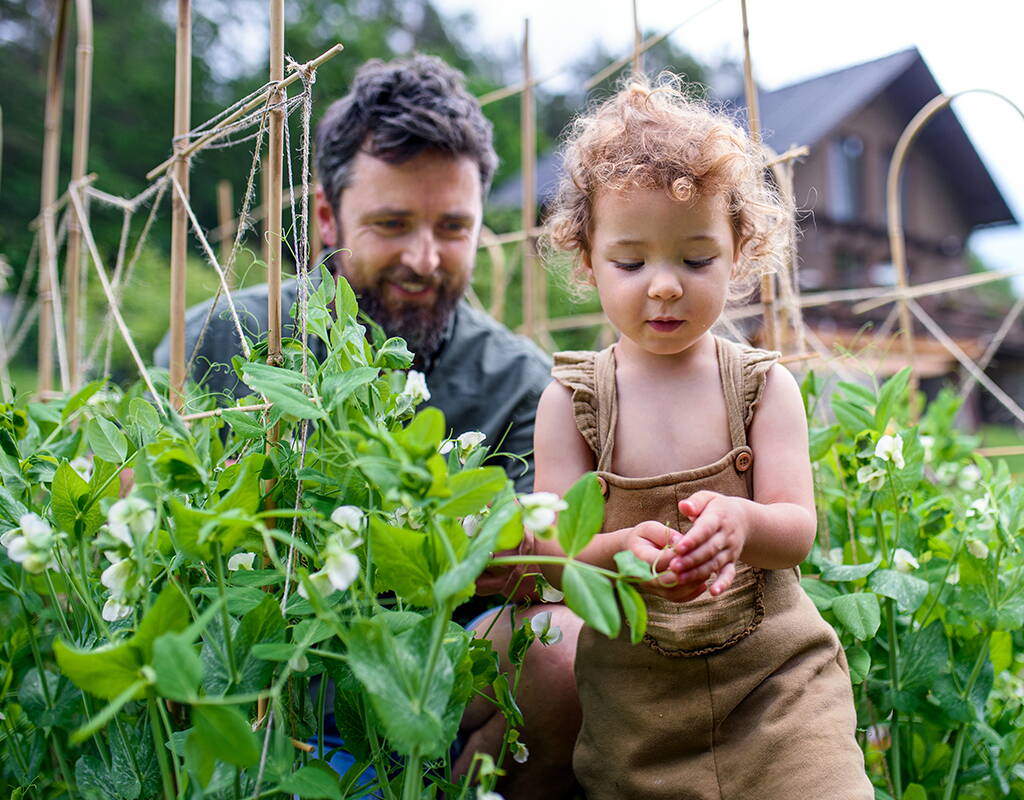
[661,266]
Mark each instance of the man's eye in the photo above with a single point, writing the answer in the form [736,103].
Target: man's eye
[454,227]
[629,266]
[390,224]
[697,262]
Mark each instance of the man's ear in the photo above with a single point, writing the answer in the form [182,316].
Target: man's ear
[325,221]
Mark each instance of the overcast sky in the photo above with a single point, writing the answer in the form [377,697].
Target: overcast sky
[966,45]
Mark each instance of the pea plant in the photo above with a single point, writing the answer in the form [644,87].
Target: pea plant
[185,604]
[919,568]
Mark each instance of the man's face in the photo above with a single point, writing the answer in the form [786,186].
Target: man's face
[411,230]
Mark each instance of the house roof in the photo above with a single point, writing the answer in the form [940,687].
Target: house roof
[805,113]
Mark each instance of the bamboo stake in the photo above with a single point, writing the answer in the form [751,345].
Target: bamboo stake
[267,210]
[497,254]
[226,223]
[940,286]
[754,120]
[80,153]
[275,145]
[48,193]
[531,295]
[638,59]
[179,221]
[218,130]
[217,412]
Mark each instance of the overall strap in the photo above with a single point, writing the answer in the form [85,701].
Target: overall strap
[607,406]
[730,369]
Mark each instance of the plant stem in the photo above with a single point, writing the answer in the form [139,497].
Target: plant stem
[161,751]
[961,732]
[224,620]
[412,786]
[560,560]
[894,680]
[321,703]
[166,720]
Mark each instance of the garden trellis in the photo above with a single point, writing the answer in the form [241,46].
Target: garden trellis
[64,220]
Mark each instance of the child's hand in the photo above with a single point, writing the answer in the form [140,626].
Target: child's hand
[653,542]
[715,542]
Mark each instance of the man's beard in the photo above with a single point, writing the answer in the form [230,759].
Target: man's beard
[422,326]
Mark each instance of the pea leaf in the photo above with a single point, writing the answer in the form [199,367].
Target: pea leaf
[67,496]
[842,573]
[892,394]
[591,596]
[107,441]
[105,672]
[821,439]
[472,490]
[820,592]
[398,554]
[635,610]
[337,388]
[923,656]
[225,734]
[168,614]
[178,668]
[283,388]
[461,577]
[859,613]
[631,565]
[859,661]
[584,516]
[315,780]
[244,424]
[81,397]
[907,590]
[853,417]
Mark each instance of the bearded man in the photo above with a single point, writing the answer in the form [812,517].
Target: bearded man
[405,160]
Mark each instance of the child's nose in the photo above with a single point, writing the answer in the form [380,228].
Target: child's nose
[665,286]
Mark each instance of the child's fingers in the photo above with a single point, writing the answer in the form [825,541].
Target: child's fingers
[694,505]
[724,580]
[707,569]
[705,552]
[702,530]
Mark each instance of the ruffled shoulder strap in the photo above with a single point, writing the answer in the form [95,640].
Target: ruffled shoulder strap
[575,370]
[744,372]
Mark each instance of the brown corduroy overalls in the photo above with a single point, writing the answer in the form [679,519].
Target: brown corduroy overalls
[746,695]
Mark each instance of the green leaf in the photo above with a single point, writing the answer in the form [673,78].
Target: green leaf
[67,496]
[893,394]
[859,613]
[423,435]
[852,417]
[400,555]
[105,672]
[107,441]
[393,354]
[472,490]
[315,780]
[264,624]
[908,591]
[243,479]
[461,577]
[282,387]
[859,661]
[843,573]
[862,395]
[584,516]
[632,566]
[923,656]
[65,699]
[820,592]
[634,608]
[11,509]
[336,389]
[245,424]
[81,397]
[1000,646]
[392,669]
[168,614]
[821,441]
[915,791]
[345,303]
[511,533]
[591,596]
[144,417]
[276,651]
[225,734]
[178,668]
[108,712]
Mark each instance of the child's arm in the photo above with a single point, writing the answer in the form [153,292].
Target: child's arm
[776,529]
[561,456]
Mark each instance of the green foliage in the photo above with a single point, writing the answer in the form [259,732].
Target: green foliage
[919,567]
[240,567]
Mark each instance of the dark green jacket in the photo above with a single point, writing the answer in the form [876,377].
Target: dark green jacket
[485,377]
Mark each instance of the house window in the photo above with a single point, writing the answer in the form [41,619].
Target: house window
[846,178]
[849,268]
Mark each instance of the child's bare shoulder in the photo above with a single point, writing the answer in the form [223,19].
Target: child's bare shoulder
[780,407]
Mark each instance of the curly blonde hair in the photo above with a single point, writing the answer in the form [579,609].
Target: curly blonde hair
[654,136]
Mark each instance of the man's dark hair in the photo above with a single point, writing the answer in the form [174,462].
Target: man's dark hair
[396,110]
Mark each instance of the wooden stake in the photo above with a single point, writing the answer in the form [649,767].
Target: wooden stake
[275,146]
[80,153]
[529,202]
[226,224]
[179,222]
[48,194]
[754,121]
[638,60]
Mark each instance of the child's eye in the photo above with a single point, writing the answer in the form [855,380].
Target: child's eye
[629,266]
[698,262]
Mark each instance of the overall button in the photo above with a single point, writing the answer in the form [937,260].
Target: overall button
[744,461]
[603,484]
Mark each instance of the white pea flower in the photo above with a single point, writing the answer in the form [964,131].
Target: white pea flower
[470,441]
[520,753]
[872,476]
[416,387]
[489,796]
[131,519]
[83,466]
[546,633]
[446,447]
[968,477]
[471,525]
[904,560]
[348,518]
[928,443]
[116,577]
[540,510]
[549,594]
[954,576]
[298,663]
[977,548]
[241,561]
[114,609]
[982,510]
[890,448]
[32,544]
[321,584]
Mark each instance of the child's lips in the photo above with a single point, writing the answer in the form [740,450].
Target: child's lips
[664,325]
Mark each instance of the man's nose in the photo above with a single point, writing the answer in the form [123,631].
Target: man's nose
[665,284]
[422,255]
